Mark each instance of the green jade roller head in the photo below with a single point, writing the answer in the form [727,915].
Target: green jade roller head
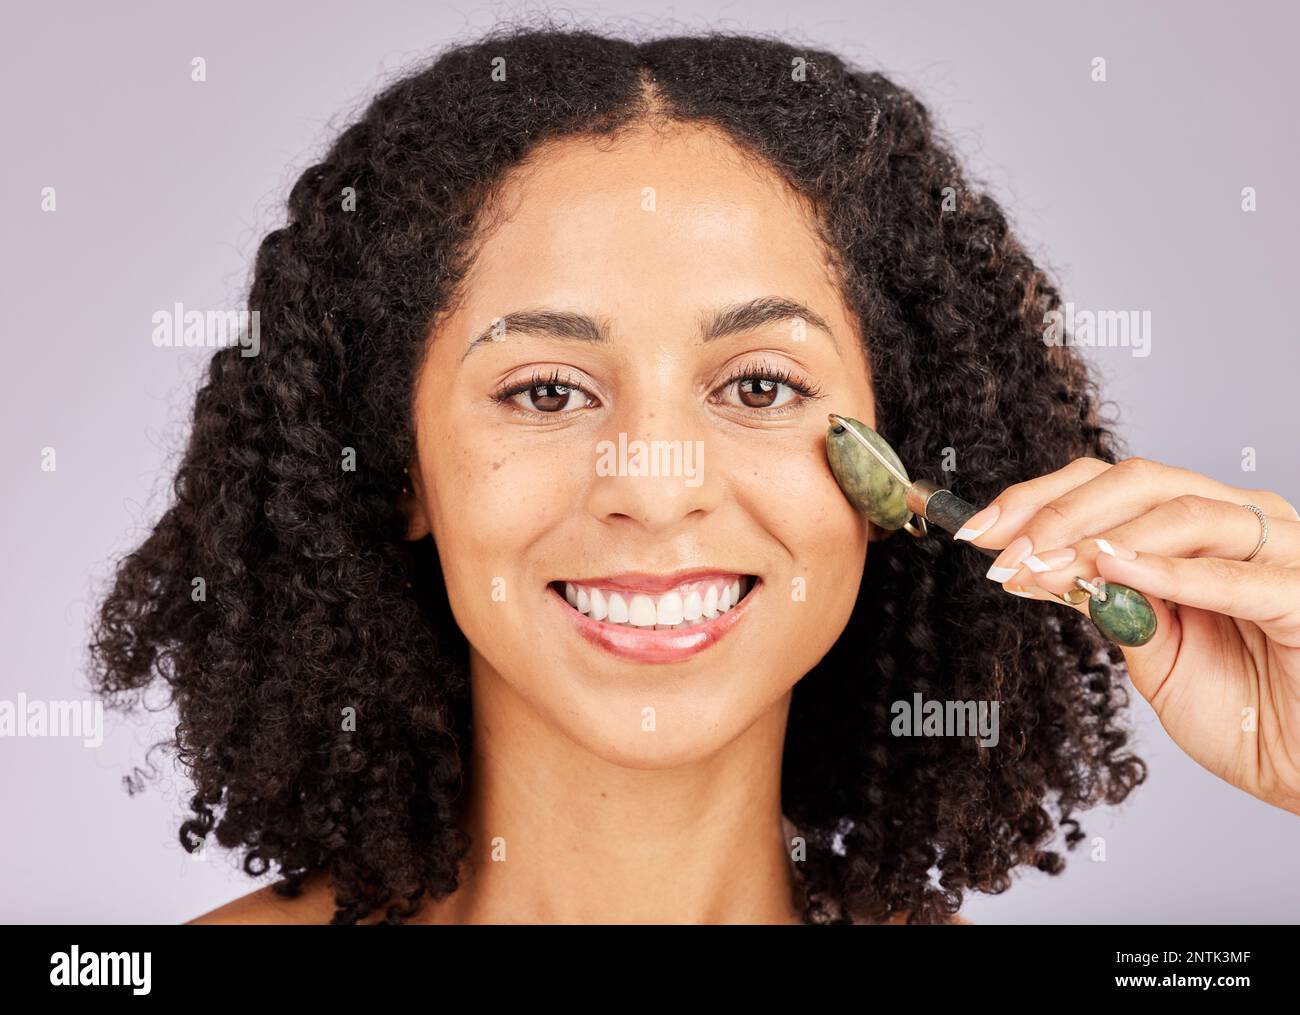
[873,479]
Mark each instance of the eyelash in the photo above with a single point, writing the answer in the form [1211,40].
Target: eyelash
[756,372]
[503,395]
[765,372]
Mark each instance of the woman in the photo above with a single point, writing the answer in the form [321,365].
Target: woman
[529,593]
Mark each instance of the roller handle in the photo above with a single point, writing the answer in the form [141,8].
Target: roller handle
[945,509]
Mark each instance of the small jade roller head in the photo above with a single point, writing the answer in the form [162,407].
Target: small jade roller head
[866,482]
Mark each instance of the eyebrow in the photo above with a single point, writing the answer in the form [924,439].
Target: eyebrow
[723,322]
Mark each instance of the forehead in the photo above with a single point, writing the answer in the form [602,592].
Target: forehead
[681,216]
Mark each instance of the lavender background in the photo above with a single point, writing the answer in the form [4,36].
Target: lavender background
[1128,191]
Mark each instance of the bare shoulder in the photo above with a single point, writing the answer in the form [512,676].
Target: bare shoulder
[956,921]
[901,918]
[313,905]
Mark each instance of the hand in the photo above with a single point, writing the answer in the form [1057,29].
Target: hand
[1223,669]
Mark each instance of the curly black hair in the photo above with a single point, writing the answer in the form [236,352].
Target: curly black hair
[316,601]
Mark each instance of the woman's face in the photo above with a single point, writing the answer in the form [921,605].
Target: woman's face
[628,410]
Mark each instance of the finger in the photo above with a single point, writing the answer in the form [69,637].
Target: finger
[1265,594]
[1006,515]
[1187,526]
[1107,500]
[995,524]
[1195,526]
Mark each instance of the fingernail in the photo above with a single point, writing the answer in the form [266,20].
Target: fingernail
[1115,550]
[1052,560]
[1023,595]
[979,523]
[1008,561]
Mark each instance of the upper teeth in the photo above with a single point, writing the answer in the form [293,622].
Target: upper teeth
[685,606]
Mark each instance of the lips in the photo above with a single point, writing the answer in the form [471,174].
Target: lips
[656,618]
[684,606]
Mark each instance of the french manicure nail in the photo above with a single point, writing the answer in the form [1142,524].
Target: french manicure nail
[1008,562]
[1052,560]
[1115,550]
[979,523]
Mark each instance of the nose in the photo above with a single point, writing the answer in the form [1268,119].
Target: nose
[653,470]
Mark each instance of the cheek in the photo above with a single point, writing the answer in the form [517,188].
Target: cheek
[787,485]
[494,495]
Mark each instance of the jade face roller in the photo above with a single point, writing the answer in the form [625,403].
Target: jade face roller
[875,482]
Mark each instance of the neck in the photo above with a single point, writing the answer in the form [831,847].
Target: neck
[561,834]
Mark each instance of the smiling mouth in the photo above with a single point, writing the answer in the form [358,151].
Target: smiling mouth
[687,604]
[656,619]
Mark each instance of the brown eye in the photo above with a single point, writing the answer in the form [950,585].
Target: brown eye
[549,397]
[769,390]
[758,392]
